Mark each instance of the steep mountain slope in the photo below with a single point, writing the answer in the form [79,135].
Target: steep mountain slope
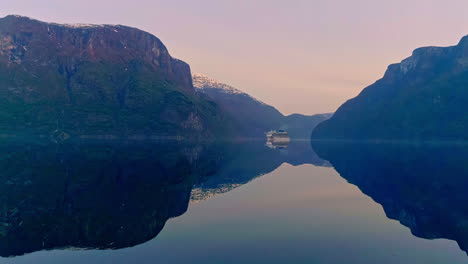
[251,116]
[95,79]
[425,97]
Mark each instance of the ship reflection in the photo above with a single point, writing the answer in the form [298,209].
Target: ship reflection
[277,139]
[277,145]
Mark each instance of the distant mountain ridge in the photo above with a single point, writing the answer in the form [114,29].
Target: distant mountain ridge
[425,97]
[251,116]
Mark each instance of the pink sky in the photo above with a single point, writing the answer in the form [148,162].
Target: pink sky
[301,56]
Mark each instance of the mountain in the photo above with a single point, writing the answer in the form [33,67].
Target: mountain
[95,80]
[425,97]
[251,116]
[300,126]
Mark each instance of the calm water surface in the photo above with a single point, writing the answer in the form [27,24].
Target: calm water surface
[130,202]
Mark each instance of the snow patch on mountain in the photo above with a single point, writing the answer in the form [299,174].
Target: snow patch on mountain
[69,25]
[202,82]
[81,25]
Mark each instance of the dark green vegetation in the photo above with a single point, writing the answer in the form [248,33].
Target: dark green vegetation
[114,194]
[421,185]
[251,117]
[95,80]
[425,97]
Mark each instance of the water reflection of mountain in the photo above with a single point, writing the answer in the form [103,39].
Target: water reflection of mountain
[110,195]
[88,196]
[244,162]
[423,187]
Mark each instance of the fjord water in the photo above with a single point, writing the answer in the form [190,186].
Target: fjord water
[176,202]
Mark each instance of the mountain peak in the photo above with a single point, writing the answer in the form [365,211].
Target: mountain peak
[16,17]
[201,82]
[464,41]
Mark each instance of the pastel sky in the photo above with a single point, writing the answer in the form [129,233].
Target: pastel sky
[304,56]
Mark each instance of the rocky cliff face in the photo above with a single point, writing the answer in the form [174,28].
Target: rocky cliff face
[252,117]
[422,98]
[94,79]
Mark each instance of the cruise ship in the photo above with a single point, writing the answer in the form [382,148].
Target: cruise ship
[279,136]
